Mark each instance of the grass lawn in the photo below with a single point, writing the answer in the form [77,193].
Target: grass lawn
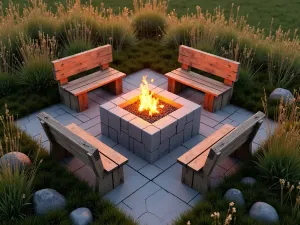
[285,13]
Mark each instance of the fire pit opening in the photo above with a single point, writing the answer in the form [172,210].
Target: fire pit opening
[149,106]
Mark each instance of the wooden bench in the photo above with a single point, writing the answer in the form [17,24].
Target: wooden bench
[217,94]
[106,163]
[74,93]
[199,162]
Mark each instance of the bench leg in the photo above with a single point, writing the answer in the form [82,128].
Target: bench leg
[83,102]
[57,151]
[64,96]
[174,86]
[244,152]
[200,182]
[116,87]
[118,177]
[209,102]
[187,176]
[104,184]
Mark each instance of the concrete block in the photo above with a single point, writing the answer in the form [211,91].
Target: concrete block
[113,134]
[151,138]
[163,148]
[151,157]
[181,116]
[131,94]
[104,129]
[176,140]
[135,128]
[169,95]
[188,128]
[131,144]
[103,111]
[167,126]
[186,103]
[125,119]
[114,117]
[119,100]
[139,149]
[123,139]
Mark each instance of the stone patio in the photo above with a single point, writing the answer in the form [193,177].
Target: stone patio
[152,193]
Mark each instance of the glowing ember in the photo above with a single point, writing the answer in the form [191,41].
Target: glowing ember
[147,101]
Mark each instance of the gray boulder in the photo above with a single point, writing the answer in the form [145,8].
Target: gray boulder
[263,212]
[236,196]
[15,160]
[248,180]
[279,93]
[81,216]
[47,200]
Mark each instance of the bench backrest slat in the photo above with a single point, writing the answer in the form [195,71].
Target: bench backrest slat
[81,149]
[75,64]
[240,135]
[216,65]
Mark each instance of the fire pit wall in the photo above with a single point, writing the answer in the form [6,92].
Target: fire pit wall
[150,141]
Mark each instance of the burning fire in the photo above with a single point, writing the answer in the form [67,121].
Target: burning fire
[147,101]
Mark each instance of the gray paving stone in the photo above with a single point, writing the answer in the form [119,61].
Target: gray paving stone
[199,197]
[41,137]
[171,158]
[137,201]
[96,98]
[231,122]
[46,146]
[150,171]
[128,86]
[86,174]
[208,121]
[93,110]
[230,109]
[218,172]
[128,211]
[132,182]
[83,118]
[67,119]
[245,112]
[170,180]
[104,94]
[34,127]
[197,97]
[164,86]
[261,136]
[206,130]
[133,161]
[149,219]
[23,120]
[60,111]
[218,116]
[67,109]
[106,140]
[90,123]
[159,81]
[163,210]
[240,118]
[187,92]
[193,141]
[95,130]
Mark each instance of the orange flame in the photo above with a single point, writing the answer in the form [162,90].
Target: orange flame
[147,101]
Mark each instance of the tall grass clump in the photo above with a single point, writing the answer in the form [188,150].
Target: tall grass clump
[16,183]
[280,156]
[36,69]
[149,19]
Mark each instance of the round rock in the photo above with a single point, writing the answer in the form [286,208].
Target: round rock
[15,160]
[279,93]
[236,196]
[47,200]
[263,212]
[248,180]
[81,216]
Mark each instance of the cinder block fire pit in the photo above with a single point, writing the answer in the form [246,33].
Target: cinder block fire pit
[150,136]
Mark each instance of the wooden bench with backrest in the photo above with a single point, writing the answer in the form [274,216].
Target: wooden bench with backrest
[74,93]
[106,163]
[199,162]
[217,94]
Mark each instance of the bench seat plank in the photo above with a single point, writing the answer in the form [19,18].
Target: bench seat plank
[103,148]
[98,83]
[192,154]
[194,84]
[203,79]
[76,83]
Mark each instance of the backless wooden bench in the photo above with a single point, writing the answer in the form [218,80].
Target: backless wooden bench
[106,163]
[199,162]
[217,94]
[74,93]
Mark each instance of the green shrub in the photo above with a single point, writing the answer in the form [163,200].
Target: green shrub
[76,46]
[36,74]
[35,25]
[149,24]
[7,84]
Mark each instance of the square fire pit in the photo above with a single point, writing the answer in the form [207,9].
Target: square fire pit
[150,137]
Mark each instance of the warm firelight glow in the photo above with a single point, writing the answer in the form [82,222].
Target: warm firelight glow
[147,101]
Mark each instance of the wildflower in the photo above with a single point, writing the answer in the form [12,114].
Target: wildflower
[233,210]
[231,204]
[188,223]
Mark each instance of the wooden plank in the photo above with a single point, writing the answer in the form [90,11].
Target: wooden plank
[187,176]
[217,103]
[118,177]
[201,182]
[97,83]
[89,79]
[198,163]
[208,102]
[193,84]
[219,66]
[83,61]
[74,102]
[83,101]
[190,155]
[185,67]
[116,87]
[202,80]
[103,148]
[63,81]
